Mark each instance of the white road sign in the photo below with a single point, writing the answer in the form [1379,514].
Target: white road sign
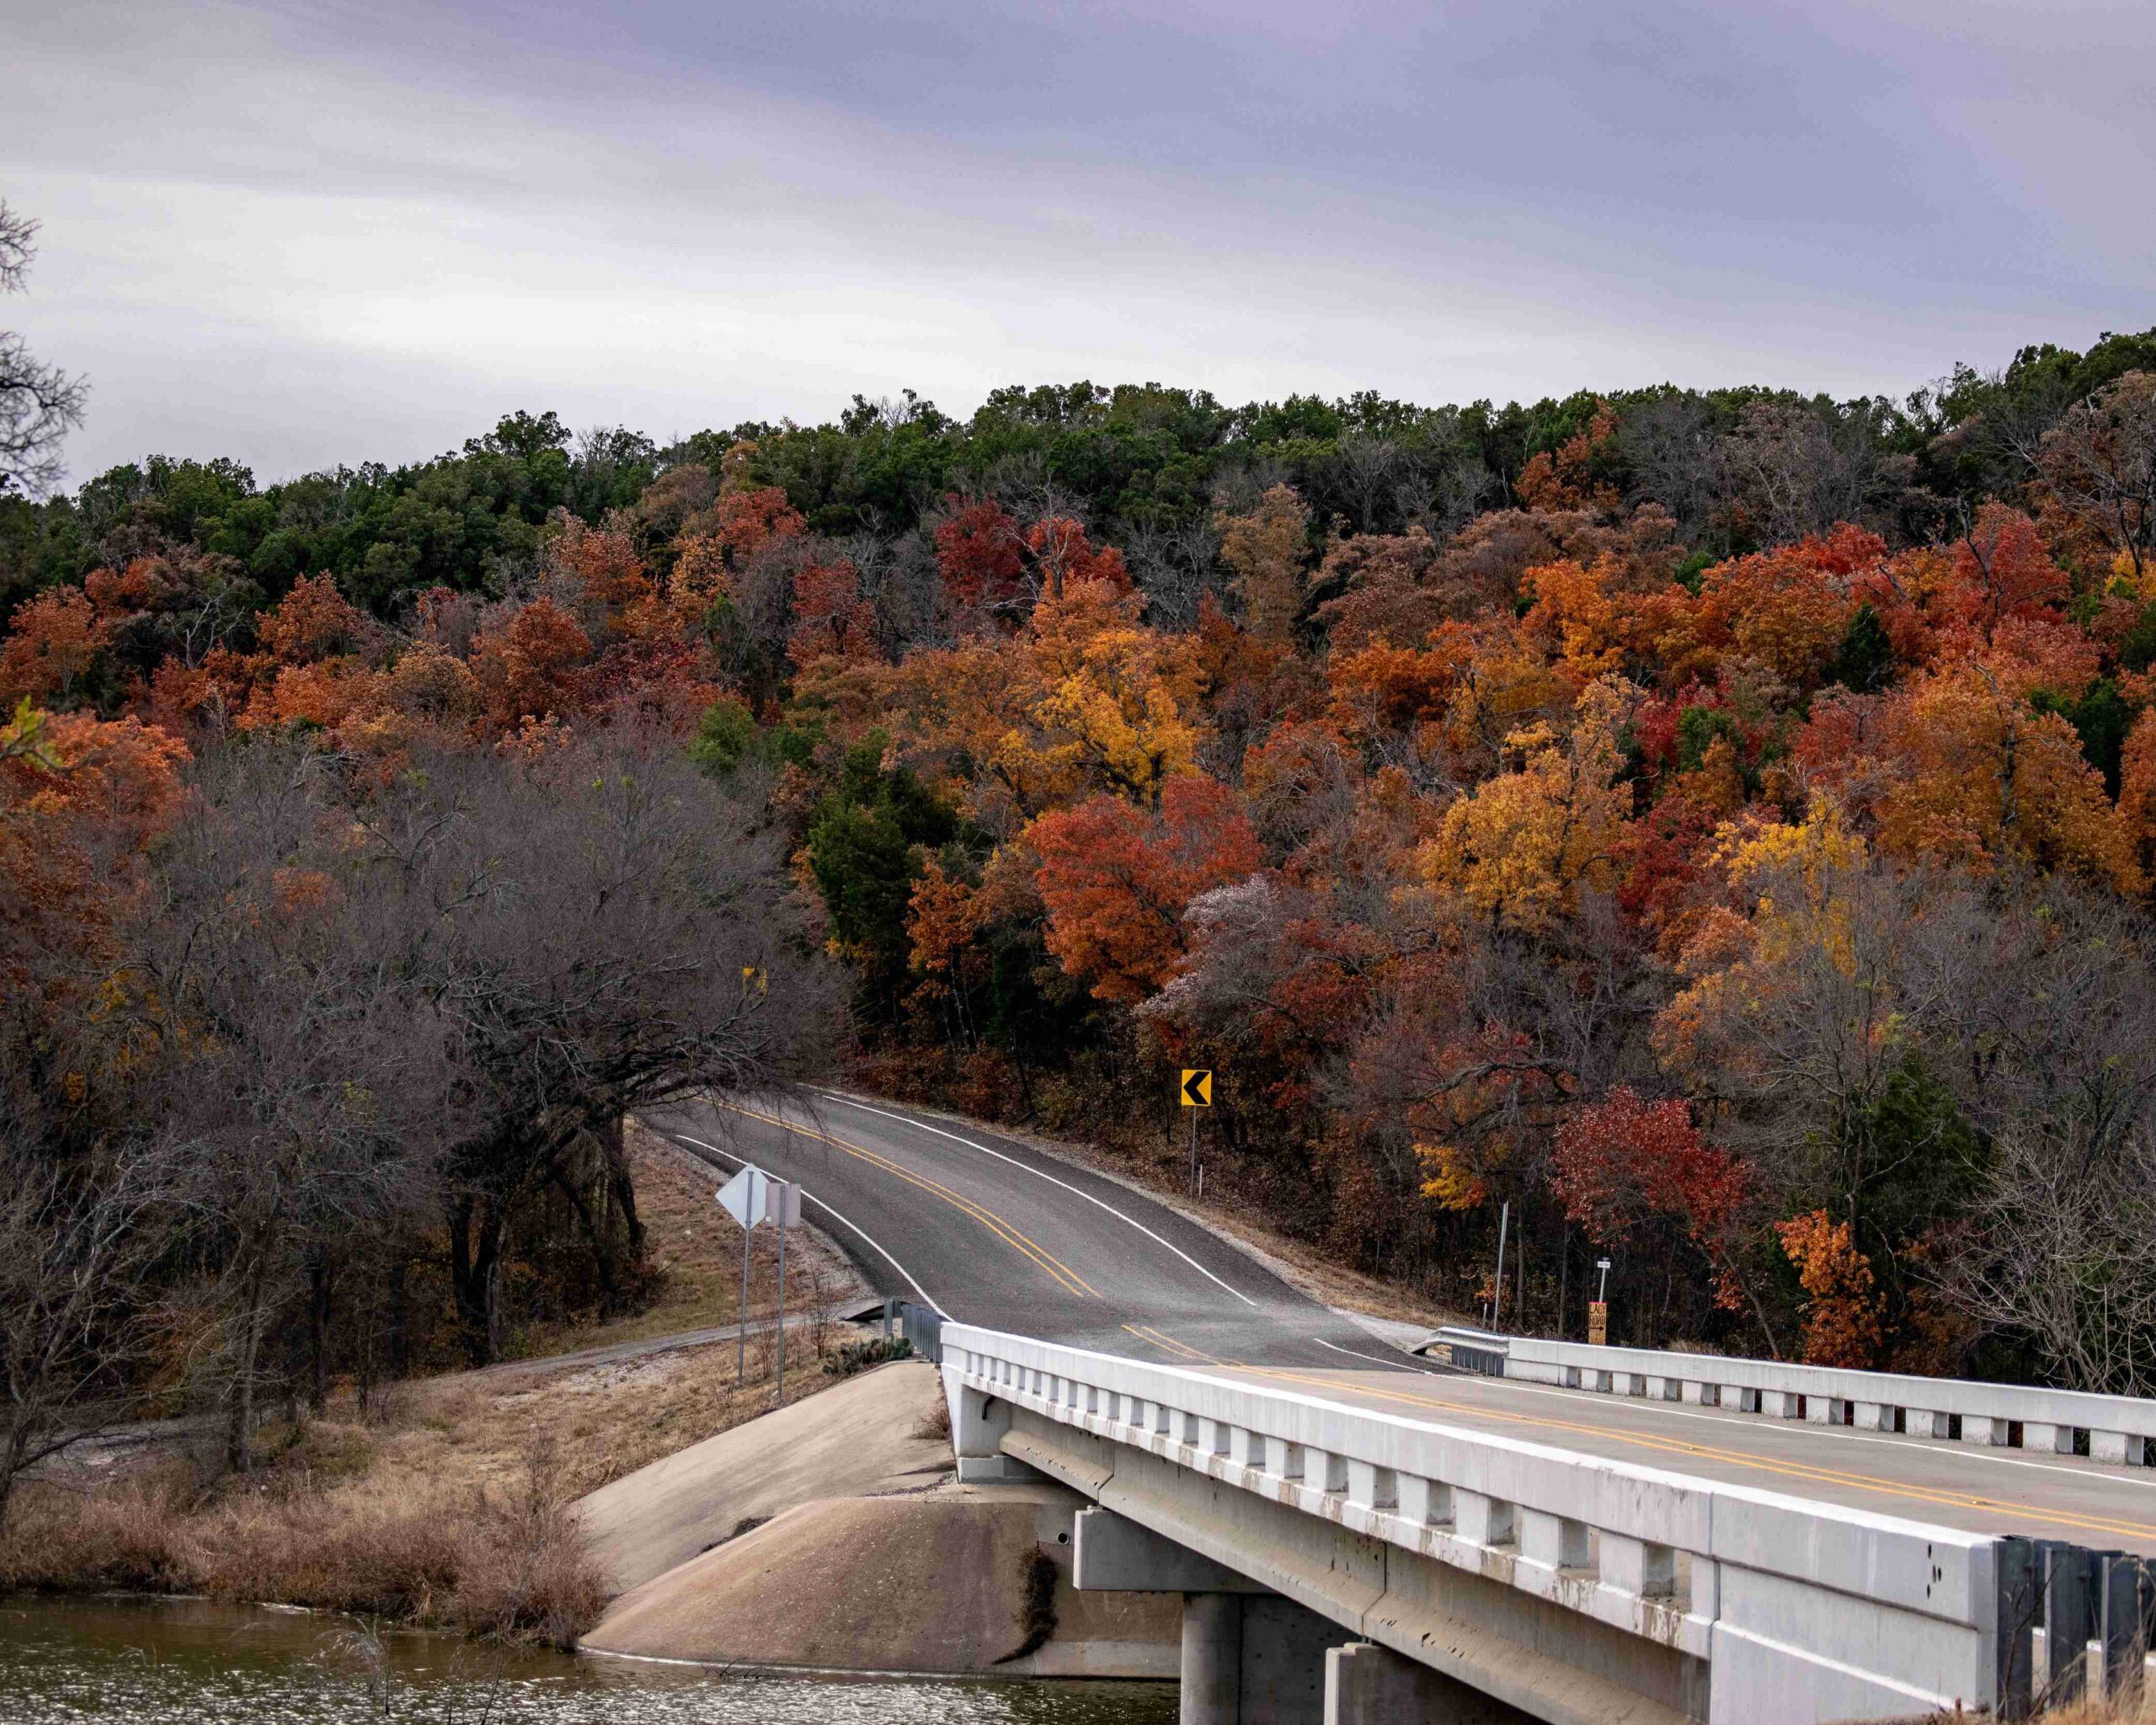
[748,1196]
[783,1205]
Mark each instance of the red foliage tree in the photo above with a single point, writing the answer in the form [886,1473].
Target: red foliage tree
[1066,557]
[980,553]
[1623,1162]
[1116,881]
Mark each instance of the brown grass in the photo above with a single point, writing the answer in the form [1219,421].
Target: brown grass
[506,1565]
[451,1508]
[695,1249]
[454,1512]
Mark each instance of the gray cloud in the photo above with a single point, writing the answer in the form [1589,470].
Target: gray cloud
[302,233]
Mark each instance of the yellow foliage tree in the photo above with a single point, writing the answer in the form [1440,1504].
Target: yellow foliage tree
[1520,846]
[1265,548]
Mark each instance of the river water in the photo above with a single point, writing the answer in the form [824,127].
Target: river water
[163,1662]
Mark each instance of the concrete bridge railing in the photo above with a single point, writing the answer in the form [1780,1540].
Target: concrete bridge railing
[1573,1586]
[2119,1429]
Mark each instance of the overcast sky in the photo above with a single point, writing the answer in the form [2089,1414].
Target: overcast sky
[301,234]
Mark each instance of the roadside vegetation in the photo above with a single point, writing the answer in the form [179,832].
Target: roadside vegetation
[446,1502]
[1712,830]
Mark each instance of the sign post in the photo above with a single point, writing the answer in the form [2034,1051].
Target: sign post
[783,1211]
[1597,1311]
[745,1197]
[1498,1298]
[1197,1093]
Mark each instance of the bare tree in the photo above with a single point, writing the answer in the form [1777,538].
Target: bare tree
[600,932]
[312,1086]
[1674,454]
[1366,472]
[2097,466]
[2063,1257]
[74,1248]
[39,404]
[1786,471]
[1175,567]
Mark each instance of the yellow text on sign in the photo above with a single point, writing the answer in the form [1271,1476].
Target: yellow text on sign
[1198,1087]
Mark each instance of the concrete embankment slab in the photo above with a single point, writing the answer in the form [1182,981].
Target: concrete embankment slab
[951,1582]
[852,1440]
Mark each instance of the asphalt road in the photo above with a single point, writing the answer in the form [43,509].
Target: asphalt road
[992,1232]
[997,1234]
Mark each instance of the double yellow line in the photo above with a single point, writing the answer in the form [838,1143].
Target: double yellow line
[1146,1332]
[1063,1274]
[1676,1446]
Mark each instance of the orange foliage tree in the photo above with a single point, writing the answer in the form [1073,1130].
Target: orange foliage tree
[1842,1307]
[1116,879]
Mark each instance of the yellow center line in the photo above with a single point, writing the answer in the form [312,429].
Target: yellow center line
[1146,1332]
[1793,1470]
[1011,1235]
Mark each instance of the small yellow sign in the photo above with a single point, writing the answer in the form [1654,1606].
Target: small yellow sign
[1198,1087]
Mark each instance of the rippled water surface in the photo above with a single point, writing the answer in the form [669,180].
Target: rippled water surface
[159,1662]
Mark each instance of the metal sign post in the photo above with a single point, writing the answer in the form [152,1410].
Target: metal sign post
[1497,1301]
[1597,1311]
[745,1197]
[783,1209]
[1197,1093]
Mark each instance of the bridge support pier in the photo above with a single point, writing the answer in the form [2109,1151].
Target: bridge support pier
[1212,1659]
[1367,1685]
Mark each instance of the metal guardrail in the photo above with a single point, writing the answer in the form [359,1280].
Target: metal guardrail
[922,1325]
[2117,1430]
[1803,1610]
[1470,1350]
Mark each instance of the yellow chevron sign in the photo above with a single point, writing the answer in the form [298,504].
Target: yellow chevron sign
[1198,1087]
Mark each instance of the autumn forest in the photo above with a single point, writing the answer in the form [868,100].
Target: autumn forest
[1715,829]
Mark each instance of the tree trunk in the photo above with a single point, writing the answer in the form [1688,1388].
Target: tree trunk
[594,1237]
[397,1344]
[320,1276]
[623,1186]
[475,1243]
[239,1426]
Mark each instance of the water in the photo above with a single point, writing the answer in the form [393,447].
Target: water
[162,1662]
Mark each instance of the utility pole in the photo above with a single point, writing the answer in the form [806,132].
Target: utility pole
[1497,1299]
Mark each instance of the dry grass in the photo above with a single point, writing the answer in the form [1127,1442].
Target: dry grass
[696,1250]
[2123,1710]
[451,1507]
[507,1565]
[454,1511]
[602,1421]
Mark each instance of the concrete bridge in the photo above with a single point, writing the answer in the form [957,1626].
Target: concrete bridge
[1444,1573]
[1503,1528]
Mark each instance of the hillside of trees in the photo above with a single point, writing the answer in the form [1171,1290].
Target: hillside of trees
[1718,826]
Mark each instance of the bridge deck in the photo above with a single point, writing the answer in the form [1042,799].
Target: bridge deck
[1978,1489]
[996,1233]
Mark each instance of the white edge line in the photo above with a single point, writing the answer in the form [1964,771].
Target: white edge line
[809,1197]
[908,1120]
[1357,1353]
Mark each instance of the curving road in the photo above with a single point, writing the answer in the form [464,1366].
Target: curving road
[992,1232]
[995,1233]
